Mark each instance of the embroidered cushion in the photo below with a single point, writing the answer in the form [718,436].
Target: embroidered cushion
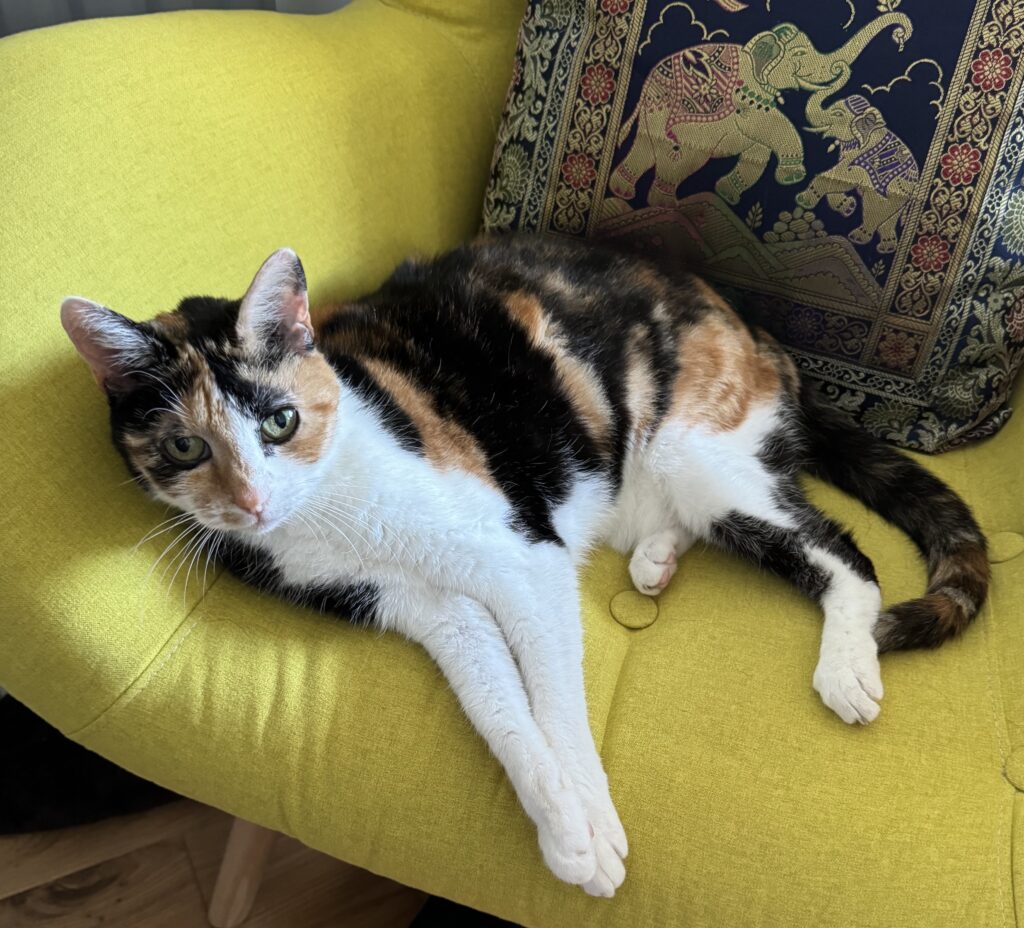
[850,170]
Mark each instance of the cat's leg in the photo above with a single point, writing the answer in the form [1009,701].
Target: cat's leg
[738,488]
[822,561]
[656,557]
[534,600]
[463,639]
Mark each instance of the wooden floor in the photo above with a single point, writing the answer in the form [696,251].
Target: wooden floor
[157,870]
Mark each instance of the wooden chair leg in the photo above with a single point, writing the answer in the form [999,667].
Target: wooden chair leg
[241,871]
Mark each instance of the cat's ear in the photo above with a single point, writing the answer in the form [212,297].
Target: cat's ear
[115,348]
[275,308]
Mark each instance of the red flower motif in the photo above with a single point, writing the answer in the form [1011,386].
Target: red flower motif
[991,69]
[578,171]
[614,7]
[597,83]
[898,349]
[930,253]
[1015,321]
[960,163]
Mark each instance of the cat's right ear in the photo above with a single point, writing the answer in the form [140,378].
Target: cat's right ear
[114,347]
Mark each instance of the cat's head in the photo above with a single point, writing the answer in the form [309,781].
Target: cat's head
[223,408]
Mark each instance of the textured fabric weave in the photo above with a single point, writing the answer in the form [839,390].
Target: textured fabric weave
[149,157]
[876,227]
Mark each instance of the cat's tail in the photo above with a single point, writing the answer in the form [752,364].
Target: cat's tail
[907,495]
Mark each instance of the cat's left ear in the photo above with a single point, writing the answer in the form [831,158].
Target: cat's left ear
[275,308]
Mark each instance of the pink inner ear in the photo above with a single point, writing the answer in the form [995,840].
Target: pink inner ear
[300,332]
[86,335]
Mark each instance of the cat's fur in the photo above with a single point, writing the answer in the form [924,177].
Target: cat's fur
[471,430]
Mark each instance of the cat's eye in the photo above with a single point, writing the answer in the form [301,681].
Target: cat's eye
[279,426]
[186,450]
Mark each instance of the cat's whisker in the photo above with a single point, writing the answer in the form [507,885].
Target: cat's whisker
[194,542]
[354,513]
[349,519]
[174,522]
[185,540]
[341,531]
[204,540]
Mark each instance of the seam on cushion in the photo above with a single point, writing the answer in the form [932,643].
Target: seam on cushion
[615,691]
[1003,747]
[442,31]
[995,687]
[1016,825]
[123,698]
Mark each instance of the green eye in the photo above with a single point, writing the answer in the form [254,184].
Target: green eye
[186,449]
[280,426]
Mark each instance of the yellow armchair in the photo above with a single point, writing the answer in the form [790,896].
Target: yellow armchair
[144,158]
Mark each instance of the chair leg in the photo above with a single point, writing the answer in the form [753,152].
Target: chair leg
[241,871]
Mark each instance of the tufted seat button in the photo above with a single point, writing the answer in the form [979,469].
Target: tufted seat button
[1014,770]
[1004,546]
[633,610]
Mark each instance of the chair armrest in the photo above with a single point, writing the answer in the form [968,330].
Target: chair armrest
[146,158]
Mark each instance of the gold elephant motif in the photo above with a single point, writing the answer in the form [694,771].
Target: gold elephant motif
[719,100]
[873,161]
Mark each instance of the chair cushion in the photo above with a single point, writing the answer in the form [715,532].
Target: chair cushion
[875,227]
[133,179]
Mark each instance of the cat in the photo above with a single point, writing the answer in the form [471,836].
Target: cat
[438,458]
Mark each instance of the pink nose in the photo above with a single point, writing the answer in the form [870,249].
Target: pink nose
[250,501]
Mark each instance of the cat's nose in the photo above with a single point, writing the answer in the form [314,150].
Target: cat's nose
[250,500]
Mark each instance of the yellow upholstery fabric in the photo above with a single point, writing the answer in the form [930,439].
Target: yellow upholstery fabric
[141,159]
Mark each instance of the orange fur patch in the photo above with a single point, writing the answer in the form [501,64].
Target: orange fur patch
[526,310]
[579,380]
[446,444]
[640,393]
[968,570]
[315,388]
[723,374]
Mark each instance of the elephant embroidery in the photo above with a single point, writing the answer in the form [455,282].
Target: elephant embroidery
[873,161]
[719,100]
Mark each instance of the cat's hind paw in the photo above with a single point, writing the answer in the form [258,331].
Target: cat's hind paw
[654,562]
[849,681]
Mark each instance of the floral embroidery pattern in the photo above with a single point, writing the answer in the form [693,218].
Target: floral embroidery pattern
[597,83]
[1013,231]
[898,349]
[615,7]
[1015,320]
[991,70]
[982,99]
[930,253]
[960,164]
[578,171]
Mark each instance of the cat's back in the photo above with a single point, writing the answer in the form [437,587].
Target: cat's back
[541,347]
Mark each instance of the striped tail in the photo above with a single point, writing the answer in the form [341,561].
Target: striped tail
[911,498]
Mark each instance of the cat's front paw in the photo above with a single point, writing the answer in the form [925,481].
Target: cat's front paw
[653,563]
[610,870]
[849,679]
[564,832]
[568,850]
[610,844]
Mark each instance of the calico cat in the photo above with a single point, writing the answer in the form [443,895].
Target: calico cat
[438,458]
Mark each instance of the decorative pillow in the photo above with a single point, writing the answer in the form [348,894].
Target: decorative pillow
[852,167]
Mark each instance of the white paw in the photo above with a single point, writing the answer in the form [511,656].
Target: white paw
[610,846]
[653,563]
[566,839]
[849,679]
[610,869]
